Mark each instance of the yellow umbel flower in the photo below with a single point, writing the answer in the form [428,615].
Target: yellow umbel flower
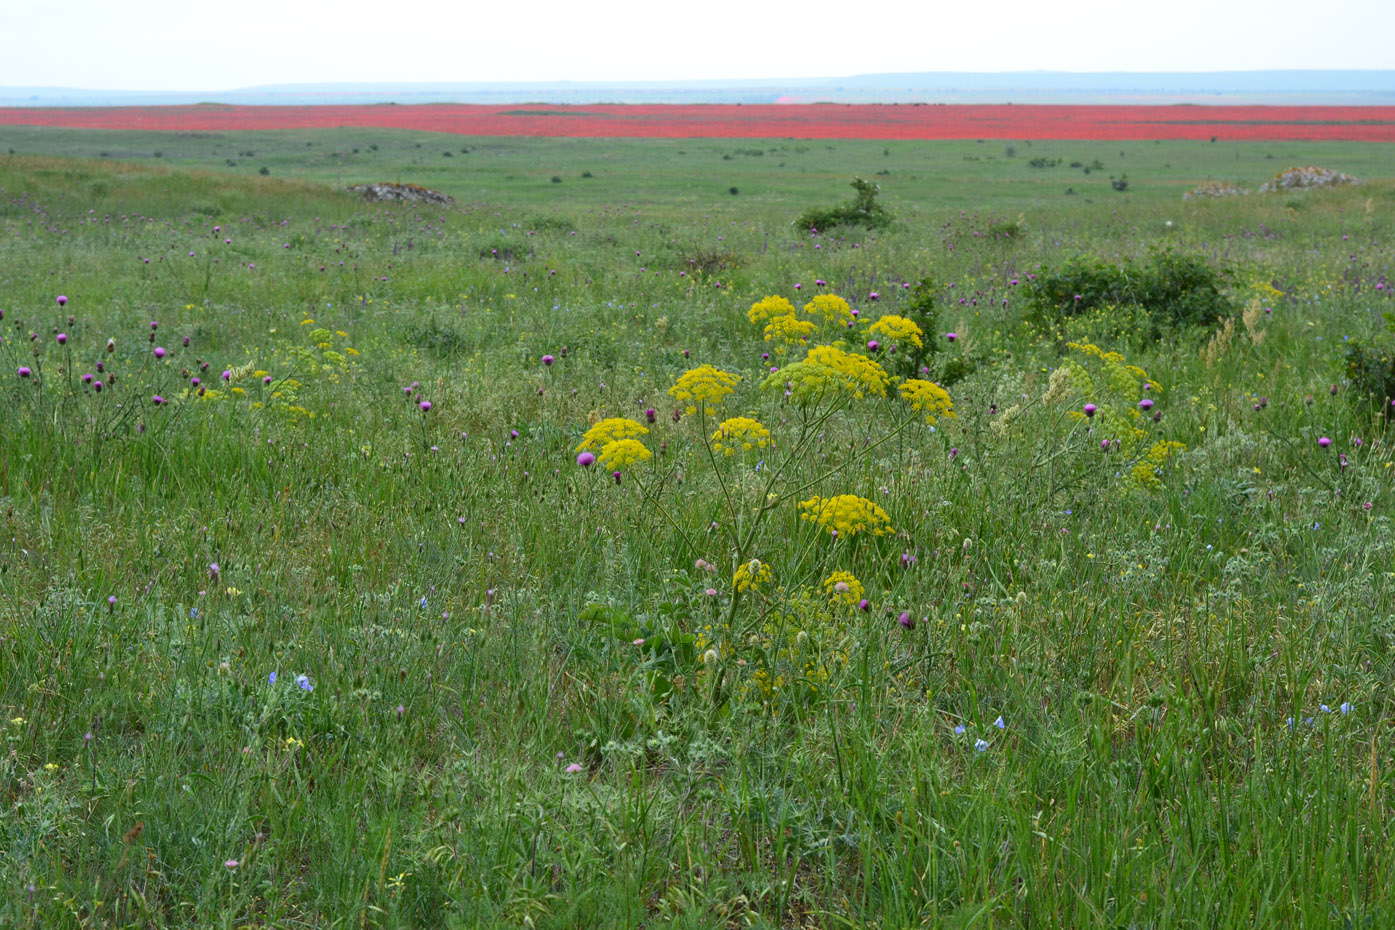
[1146,474]
[829,310]
[740,433]
[928,398]
[769,310]
[899,330]
[623,453]
[703,386]
[846,515]
[608,430]
[843,588]
[788,330]
[829,370]
[752,576]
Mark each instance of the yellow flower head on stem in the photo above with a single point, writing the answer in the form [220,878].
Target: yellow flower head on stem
[843,588]
[608,430]
[740,434]
[623,453]
[703,387]
[899,331]
[928,398]
[829,310]
[846,515]
[769,309]
[752,576]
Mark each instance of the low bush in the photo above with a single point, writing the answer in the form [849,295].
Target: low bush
[1175,290]
[863,210]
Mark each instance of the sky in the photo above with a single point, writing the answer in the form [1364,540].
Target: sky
[196,45]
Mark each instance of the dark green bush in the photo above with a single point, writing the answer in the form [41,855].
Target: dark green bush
[923,307]
[863,210]
[1370,368]
[1176,290]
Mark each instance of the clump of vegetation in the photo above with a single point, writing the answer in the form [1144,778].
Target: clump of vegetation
[1176,290]
[1369,366]
[863,210]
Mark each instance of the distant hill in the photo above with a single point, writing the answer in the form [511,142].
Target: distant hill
[1221,87]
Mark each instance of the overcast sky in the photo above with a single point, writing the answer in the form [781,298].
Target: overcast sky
[199,45]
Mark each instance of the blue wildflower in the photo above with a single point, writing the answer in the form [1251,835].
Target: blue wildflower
[303,681]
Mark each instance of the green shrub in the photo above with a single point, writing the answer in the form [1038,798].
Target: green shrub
[1370,368]
[863,210]
[1176,290]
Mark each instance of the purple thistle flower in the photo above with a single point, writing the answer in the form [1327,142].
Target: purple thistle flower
[586,460]
[951,336]
[864,604]
[425,406]
[62,339]
[1090,410]
[24,371]
[158,400]
[1324,442]
[873,345]
[159,352]
[62,300]
[548,360]
[1145,404]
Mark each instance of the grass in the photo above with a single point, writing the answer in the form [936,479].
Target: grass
[465,600]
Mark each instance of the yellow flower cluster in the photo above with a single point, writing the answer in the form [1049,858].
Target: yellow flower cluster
[846,515]
[1145,473]
[827,371]
[928,398]
[829,310]
[623,453]
[788,330]
[703,386]
[609,430]
[843,588]
[1120,377]
[769,310]
[738,434]
[752,576]
[898,330]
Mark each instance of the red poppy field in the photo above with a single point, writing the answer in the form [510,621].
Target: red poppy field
[815,121]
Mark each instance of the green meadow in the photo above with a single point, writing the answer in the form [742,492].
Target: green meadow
[608,550]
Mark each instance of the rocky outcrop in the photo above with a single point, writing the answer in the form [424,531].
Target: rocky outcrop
[1306,178]
[409,193]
